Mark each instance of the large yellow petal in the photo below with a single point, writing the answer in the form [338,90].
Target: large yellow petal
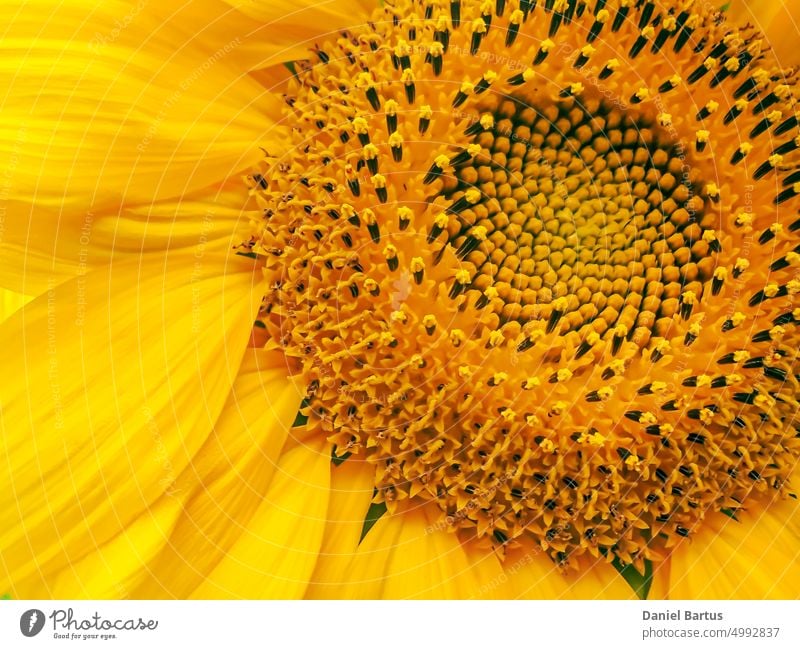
[275,556]
[754,557]
[112,382]
[229,479]
[123,102]
[352,486]
[778,19]
[409,555]
[170,548]
[51,248]
[113,570]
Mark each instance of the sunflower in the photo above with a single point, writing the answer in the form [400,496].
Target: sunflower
[472,299]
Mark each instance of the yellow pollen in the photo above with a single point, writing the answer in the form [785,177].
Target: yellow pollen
[648,419]
[399,316]
[777,332]
[605,393]
[463,276]
[496,338]
[633,462]
[487,121]
[706,416]
[499,378]
[563,375]
[738,318]
[532,382]
[732,64]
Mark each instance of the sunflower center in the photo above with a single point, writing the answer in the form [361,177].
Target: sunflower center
[528,273]
[580,211]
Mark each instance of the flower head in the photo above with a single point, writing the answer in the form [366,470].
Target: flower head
[580,225]
[530,266]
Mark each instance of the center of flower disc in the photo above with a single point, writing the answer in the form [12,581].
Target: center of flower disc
[580,210]
[535,262]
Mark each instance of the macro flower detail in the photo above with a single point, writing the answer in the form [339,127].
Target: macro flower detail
[514,283]
[572,369]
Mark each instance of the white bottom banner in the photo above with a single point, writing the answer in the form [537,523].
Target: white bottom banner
[400,624]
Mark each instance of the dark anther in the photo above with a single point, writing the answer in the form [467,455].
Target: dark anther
[619,19]
[788,125]
[745,397]
[570,482]
[424,123]
[731,115]
[455,12]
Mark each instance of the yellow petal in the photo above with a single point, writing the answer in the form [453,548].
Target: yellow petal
[112,571]
[169,548]
[11,302]
[533,575]
[295,25]
[754,557]
[123,103]
[112,385]
[275,556]
[352,486]
[409,555]
[778,19]
[52,247]
[229,479]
